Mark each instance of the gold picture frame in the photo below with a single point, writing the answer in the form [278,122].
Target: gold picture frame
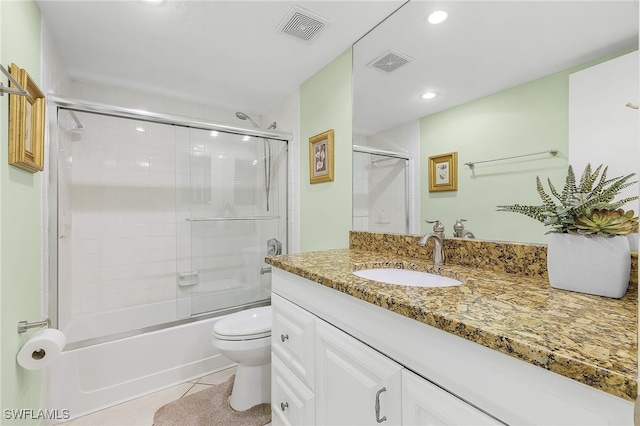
[26,124]
[443,172]
[321,157]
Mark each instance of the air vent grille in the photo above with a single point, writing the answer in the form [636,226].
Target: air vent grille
[302,24]
[390,61]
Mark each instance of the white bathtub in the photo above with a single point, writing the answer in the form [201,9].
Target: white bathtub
[94,377]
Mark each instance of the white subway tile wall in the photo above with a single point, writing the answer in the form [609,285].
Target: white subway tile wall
[120,211]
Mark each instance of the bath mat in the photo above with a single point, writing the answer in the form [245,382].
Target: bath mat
[211,407]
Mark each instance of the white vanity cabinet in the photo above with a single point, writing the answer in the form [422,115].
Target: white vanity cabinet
[349,383]
[343,356]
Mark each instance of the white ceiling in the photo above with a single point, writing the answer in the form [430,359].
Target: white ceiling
[484,47]
[224,53]
[228,53]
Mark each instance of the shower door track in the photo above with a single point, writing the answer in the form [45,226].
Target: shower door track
[396,155]
[139,114]
[382,152]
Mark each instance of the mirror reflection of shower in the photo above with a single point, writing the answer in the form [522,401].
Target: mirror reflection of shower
[267,153]
[380,190]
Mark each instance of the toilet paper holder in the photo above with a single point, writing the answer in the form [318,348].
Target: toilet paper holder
[23,326]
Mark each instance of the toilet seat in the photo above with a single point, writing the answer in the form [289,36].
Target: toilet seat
[250,324]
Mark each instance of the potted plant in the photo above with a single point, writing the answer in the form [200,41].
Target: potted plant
[588,248]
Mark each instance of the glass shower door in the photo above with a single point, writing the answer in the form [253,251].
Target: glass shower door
[116,231]
[235,214]
[158,221]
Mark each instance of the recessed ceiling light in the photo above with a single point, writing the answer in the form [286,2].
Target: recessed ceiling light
[429,95]
[437,17]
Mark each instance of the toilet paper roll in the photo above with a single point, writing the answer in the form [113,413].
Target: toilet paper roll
[41,349]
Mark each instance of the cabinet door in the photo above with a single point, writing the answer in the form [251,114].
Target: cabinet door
[292,332]
[423,403]
[292,403]
[355,384]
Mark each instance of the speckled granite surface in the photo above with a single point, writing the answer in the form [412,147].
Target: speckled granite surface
[587,338]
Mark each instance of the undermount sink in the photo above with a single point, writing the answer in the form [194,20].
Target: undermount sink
[406,277]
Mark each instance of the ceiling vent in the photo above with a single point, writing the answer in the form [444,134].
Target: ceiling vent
[390,61]
[302,24]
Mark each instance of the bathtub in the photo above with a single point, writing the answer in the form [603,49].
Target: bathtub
[90,378]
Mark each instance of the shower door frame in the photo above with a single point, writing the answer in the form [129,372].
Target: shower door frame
[390,154]
[54,104]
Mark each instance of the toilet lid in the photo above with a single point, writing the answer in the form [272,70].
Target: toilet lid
[248,324]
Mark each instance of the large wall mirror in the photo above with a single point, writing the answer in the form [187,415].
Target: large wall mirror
[501,73]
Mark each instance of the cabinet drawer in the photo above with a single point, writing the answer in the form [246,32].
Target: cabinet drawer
[292,403]
[292,337]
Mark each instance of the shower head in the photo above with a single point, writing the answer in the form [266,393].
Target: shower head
[243,116]
[272,126]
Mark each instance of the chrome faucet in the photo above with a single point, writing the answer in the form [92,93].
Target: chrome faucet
[438,240]
[459,231]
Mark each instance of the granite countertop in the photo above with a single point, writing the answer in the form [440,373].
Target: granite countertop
[587,338]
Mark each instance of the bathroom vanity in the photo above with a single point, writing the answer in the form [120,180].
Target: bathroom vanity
[502,348]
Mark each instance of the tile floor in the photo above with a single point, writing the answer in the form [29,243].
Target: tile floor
[140,411]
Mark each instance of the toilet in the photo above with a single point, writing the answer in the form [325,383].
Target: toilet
[245,337]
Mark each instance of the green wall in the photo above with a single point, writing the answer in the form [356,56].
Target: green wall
[529,118]
[20,221]
[325,208]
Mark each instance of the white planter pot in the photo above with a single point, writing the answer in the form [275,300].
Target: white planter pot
[633,241]
[593,265]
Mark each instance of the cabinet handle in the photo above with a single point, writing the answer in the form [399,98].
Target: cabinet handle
[378,419]
[284,405]
[284,337]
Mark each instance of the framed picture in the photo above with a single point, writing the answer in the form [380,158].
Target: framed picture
[26,124]
[321,157]
[443,172]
